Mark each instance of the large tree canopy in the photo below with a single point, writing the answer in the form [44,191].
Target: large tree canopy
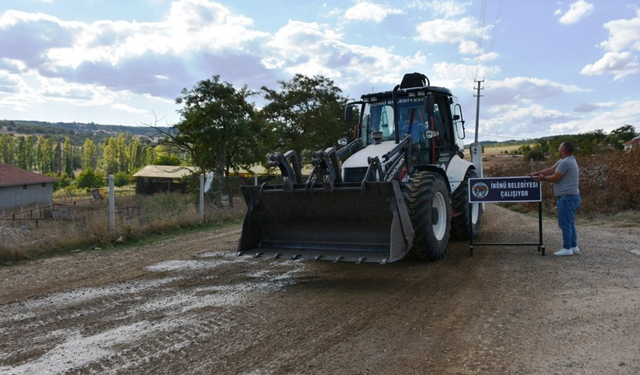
[306,114]
[218,129]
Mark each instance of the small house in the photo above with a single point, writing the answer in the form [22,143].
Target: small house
[20,188]
[630,145]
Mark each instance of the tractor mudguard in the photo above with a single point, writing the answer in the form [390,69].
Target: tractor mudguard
[366,222]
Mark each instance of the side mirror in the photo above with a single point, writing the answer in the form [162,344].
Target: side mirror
[459,117]
[348,113]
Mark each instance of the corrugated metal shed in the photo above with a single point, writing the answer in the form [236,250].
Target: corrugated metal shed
[165,171]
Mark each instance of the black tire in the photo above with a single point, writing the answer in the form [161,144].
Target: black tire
[427,197]
[460,221]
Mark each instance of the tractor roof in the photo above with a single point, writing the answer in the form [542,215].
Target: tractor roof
[405,92]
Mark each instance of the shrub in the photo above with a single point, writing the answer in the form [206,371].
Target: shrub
[88,179]
[62,182]
[121,178]
[535,154]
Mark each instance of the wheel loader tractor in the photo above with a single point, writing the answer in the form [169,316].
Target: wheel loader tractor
[400,186]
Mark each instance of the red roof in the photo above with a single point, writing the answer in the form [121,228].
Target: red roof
[634,141]
[12,176]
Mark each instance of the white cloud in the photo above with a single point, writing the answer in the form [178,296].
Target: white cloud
[448,31]
[623,34]
[365,10]
[620,64]
[459,76]
[520,83]
[618,115]
[468,47]
[512,120]
[446,8]
[128,108]
[576,12]
[312,49]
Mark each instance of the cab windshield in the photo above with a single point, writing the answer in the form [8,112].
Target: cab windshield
[379,116]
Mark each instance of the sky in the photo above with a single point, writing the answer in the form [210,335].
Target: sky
[548,67]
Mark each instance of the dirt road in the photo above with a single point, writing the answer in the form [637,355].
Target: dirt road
[188,305]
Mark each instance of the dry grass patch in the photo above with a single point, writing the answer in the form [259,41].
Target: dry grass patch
[608,183]
[87,226]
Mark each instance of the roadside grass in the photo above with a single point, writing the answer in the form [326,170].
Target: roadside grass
[139,218]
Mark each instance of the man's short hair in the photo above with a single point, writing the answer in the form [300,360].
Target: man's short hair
[568,147]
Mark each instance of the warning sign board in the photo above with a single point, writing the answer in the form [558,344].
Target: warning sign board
[504,190]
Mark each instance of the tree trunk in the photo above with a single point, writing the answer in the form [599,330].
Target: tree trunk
[229,189]
[222,156]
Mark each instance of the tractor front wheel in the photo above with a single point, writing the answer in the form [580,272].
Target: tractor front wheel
[427,198]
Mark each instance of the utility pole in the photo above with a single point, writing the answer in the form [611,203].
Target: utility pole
[475,147]
[478,108]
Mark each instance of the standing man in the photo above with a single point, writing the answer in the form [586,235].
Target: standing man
[565,177]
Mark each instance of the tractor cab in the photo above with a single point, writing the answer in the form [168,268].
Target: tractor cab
[431,115]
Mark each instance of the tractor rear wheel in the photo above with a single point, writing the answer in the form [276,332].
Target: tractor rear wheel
[460,229]
[427,198]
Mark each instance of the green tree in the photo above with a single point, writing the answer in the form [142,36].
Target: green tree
[89,178]
[57,164]
[306,113]
[149,156]
[6,149]
[110,156]
[89,154]
[136,155]
[44,155]
[31,152]
[216,115]
[22,153]
[68,158]
[122,154]
[619,136]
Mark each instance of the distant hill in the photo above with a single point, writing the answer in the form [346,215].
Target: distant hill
[76,131]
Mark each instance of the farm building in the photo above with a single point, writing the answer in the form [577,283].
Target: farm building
[168,178]
[21,188]
[162,178]
[634,143]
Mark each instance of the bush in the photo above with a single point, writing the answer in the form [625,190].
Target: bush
[535,155]
[121,178]
[62,182]
[167,160]
[89,179]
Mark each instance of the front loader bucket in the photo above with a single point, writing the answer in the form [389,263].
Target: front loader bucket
[351,223]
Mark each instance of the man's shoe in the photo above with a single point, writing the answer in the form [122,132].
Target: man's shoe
[575,250]
[563,253]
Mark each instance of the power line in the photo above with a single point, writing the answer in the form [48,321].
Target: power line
[482,17]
